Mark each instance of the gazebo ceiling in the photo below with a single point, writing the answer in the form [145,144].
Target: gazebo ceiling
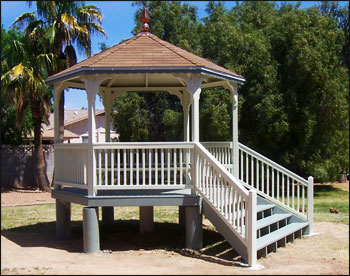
[152,62]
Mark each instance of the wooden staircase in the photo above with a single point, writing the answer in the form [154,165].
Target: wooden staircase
[264,209]
[275,227]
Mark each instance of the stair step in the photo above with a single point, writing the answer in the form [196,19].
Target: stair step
[279,234]
[263,207]
[261,223]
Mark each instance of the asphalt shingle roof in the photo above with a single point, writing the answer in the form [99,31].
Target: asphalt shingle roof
[145,50]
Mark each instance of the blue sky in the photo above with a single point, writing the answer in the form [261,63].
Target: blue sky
[118,21]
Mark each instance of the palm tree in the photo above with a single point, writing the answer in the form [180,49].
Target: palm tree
[25,80]
[60,25]
[70,22]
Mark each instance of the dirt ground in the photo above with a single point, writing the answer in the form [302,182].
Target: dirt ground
[27,252]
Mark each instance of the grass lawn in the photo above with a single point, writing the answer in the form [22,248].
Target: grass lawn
[16,218]
[326,197]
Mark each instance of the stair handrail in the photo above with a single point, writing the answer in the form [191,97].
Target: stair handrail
[306,185]
[231,189]
[200,149]
[272,164]
[298,208]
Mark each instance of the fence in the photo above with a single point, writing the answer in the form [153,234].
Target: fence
[17,165]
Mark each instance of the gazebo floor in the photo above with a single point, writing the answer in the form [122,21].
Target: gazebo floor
[134,197]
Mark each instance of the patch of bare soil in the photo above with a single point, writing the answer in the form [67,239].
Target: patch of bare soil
[31,252]
[25,197]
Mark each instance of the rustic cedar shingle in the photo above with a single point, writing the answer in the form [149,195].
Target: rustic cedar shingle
[142,50]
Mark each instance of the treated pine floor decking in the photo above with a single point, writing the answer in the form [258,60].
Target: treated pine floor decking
[142,197]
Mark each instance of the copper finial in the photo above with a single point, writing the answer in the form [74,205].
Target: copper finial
[144,19]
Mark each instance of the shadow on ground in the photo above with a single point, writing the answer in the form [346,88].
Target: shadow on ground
[123,235]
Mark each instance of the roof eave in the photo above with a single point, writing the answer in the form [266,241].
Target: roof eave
[138,70]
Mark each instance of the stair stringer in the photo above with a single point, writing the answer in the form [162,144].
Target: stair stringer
[224,228]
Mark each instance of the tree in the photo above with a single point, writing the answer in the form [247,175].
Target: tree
[60,25]
[25,80]
[294,104]
[131,120]
[69,23]
[172,21]
[10,133]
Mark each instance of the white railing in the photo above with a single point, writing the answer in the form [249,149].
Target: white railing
[222,151]
[275,182]
[142,165]
[71,165]
[232,201]
[165,165]
[271,180]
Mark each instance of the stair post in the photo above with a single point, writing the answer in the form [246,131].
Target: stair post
[310,205]
[252,243]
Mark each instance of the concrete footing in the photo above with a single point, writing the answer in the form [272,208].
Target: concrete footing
[63,219]
[91,230]
[146,219]
[194,232]
[107,215]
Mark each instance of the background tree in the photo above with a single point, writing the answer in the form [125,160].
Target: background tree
[69,23]
[27,85]
[131,120]
[10,133]
[293,107]
[47,49]
[294,102]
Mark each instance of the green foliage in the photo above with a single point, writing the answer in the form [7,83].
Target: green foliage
[216,115]
[295,99]
[148,117]
[173,125]
[293,107]
[172,21]
[131,121]
[10,132]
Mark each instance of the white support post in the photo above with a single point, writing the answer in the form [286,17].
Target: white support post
[58,89]
[193,85]
[195,115]
[186,102]
[235,149]
[310,205]
[252,241]
[91,86]
[107,102]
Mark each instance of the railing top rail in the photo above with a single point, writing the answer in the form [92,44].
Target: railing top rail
[273,164]
[217,144]
[223,171]
[144,145]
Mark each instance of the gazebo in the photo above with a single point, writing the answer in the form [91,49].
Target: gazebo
[254,203]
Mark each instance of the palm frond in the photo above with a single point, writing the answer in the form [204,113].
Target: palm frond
[18,70]
[23,19]
[90,13]
[95,29]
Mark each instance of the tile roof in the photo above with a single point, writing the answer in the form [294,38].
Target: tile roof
[145,50]
[71,117]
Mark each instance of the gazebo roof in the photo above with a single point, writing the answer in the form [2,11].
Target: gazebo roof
[145,53]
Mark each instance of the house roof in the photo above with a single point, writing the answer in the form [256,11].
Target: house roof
[48,134]
[72,117]
[144,53]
